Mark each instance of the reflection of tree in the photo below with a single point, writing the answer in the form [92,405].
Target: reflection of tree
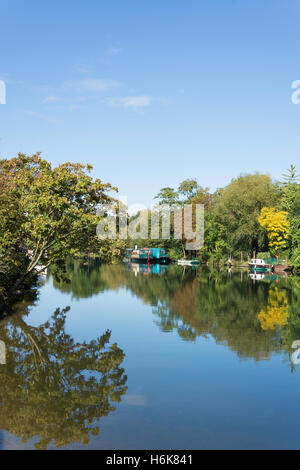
[214,303]
[225,308]
[168,322]
[82,281]
[276,312]
[85,281]
[53,387]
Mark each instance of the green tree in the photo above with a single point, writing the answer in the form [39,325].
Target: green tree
[289,188]
[238,208]
[290,202]
[55,208]
[294,218]
[188,189]
[167,196]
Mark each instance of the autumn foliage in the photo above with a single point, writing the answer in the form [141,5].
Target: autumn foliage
[276,225]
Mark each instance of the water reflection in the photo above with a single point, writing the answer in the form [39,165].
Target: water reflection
[145,269]
[256,276]
[254,319]
[53,387]
[276,312]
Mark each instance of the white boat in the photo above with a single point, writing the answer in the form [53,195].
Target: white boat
[258,264]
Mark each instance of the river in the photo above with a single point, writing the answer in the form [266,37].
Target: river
[159,357]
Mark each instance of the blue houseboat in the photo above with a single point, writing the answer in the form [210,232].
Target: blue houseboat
[146,255]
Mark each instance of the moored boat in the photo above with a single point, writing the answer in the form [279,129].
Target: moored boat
[258,264]
[269,265]
[282,268]
[146,255]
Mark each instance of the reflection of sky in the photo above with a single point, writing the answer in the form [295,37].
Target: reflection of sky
[134,400]
[181,394]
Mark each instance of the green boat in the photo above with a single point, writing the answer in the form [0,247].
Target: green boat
[259,265]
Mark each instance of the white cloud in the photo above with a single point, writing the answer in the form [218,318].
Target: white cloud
[8,80]
[52,99]
[140,101]
[40,116]
[83,69]
[93,84]
[60,103]
[114,50]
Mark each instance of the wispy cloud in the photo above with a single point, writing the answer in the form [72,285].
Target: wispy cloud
[140,101]
[61,103]
[52,99]
[70,94]
[40,116]
[83,69]
[7,79]
[92,84]
[114,50]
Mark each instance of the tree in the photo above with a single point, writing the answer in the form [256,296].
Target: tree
[167,196]
[188,189]
[238,208]
[294,218]
[12,255]
[276,225]
[290,201]
[291,176]
[289,188]
[55,208]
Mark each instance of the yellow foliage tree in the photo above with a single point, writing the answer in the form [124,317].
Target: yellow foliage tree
[276,313]
[276,225]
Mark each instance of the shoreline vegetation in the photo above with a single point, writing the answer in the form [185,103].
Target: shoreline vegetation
[50,214]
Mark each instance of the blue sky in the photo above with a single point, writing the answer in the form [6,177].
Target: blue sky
[152,92]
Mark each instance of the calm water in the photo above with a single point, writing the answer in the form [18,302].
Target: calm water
[120,358]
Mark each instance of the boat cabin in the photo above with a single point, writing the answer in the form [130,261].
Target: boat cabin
[257,261]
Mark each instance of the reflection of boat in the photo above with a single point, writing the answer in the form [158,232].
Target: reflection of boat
[145,269]
[267,276]
[146,255]
[188,262]
[257,276]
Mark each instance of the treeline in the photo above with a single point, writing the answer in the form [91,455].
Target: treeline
[252,214]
